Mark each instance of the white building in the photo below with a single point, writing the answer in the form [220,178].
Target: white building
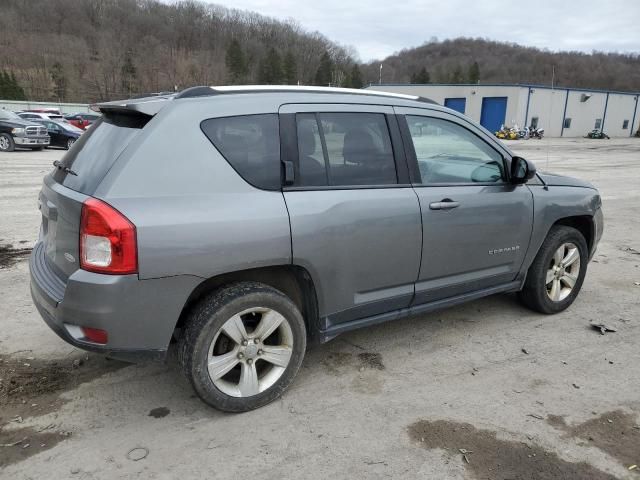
[562,112]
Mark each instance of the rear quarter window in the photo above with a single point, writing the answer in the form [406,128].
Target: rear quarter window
[251,145]
[97,149]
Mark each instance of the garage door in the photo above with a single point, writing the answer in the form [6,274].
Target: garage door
[457,104]
[494,110]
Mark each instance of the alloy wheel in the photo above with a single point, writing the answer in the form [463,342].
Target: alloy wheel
[250,352]
[563,272]
[4,143]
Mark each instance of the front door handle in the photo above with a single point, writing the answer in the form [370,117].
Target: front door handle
[446,204]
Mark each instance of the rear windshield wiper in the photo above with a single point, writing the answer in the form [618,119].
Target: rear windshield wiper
[60,166]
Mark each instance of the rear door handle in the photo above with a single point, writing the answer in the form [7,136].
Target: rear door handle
[445,204]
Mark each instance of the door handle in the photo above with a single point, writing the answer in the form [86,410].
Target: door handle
[446,204]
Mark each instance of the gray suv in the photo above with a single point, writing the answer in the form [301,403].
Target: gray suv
[243,223]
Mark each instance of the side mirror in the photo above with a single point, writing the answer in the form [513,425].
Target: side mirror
[521,170]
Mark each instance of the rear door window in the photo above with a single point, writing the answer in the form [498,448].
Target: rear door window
[251,145]
[343,149]
[95,152]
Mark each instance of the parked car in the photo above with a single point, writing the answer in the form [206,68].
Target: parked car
[281,216]
[40,116]
[17,132]
[62,134]
[82,120]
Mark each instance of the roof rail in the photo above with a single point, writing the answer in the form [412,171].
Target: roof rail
[202,91]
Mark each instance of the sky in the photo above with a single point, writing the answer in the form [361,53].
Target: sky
[377,29]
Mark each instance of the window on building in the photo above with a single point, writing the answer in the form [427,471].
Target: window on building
[598,123]
[534,122]
[625,124]
[567,123]
[251,145]
[340,149]
[449,153]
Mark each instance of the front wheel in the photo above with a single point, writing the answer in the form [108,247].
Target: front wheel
[242,346]
[6,143]
[556,275]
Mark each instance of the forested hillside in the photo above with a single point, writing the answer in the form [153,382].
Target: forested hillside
[89,50]
[466,60]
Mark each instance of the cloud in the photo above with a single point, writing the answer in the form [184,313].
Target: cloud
[378,28]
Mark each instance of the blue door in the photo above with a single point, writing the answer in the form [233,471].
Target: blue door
[494,110]
[457,104]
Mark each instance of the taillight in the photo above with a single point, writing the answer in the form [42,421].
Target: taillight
[107,240]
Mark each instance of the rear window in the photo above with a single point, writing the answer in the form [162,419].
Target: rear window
[97,149]
[251,145]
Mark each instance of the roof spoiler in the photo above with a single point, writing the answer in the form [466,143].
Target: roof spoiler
[146,105]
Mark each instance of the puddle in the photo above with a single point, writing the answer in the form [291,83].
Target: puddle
[159,412]
[337,362]
[488,457]
[31,387]
[17,445]
[617,433]
[10,256]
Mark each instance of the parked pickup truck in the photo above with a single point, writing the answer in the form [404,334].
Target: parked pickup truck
[17,132]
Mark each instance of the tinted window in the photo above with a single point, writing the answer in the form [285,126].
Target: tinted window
[313,171]
[251,144]
[449,153]
[340,149]
[97,149]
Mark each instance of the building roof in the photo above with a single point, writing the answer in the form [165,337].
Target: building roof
[520,85]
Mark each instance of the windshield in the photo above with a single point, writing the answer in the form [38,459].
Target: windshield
[97,150]
[7,115]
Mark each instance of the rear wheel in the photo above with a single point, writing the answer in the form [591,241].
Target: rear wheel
[556,275]
[6,143]
[242,346]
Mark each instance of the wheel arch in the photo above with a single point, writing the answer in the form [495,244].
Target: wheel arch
[292,280]
[583,223]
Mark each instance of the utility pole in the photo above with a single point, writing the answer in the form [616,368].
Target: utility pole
[380,78]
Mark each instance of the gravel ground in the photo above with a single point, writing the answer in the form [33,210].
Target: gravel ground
[483,390]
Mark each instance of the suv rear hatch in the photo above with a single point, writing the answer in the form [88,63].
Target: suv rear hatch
[65,190]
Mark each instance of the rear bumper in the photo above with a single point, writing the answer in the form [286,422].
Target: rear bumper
[138,315]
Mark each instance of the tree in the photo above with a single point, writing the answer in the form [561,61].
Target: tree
[325,69]
[59,81]
[474,73]
[420,77]
[290,69]
[128,73]
[236,63]
[457,76]
[355,78]
[10,89]
[270,72]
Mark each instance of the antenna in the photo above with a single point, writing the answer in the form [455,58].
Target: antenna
[553,78]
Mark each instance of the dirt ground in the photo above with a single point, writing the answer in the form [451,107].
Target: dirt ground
[486,390]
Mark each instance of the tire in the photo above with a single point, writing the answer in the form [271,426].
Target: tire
[209,333]
[538,291]
[6,143]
